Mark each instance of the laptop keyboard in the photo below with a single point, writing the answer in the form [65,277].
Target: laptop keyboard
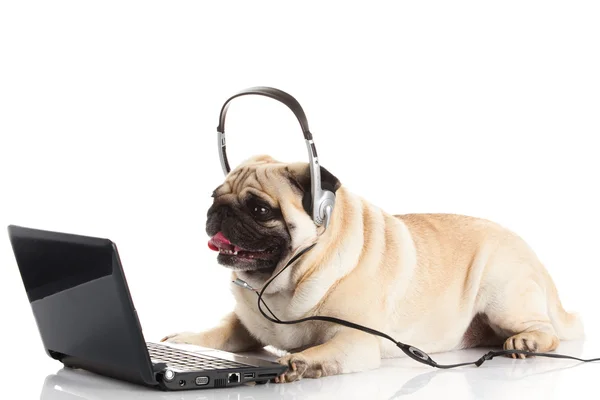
[188,360]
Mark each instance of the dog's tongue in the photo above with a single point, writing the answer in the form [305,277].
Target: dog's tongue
[219,241]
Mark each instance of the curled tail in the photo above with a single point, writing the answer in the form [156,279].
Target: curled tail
[568,326]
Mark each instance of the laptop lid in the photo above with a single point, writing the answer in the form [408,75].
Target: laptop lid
[81,303]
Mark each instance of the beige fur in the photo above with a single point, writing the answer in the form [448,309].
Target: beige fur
[437,281]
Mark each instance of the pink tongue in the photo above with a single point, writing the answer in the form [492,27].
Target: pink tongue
[219,241]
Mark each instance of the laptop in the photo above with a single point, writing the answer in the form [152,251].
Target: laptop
[87,320]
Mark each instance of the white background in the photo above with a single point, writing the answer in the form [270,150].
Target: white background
[108,113]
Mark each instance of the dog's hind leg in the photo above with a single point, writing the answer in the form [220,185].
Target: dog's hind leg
[519,312]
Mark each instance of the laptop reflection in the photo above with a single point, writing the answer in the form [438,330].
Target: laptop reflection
[70,384]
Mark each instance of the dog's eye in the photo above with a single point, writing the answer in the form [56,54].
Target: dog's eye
[259,211]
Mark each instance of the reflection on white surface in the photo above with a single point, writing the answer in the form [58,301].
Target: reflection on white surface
[399,378]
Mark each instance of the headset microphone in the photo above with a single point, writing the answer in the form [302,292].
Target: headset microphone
[319,203]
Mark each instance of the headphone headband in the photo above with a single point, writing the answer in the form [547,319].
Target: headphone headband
[322,200]
[273,93]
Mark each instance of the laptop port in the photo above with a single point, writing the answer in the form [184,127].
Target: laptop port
[182,382]
[234,377]
[201,380]
[267,375]
[248,375]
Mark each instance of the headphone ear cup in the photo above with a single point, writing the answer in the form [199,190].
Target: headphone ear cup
[307,203]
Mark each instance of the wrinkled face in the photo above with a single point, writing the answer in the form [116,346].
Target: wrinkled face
[257,217]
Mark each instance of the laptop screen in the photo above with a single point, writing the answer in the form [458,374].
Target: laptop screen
[80,301]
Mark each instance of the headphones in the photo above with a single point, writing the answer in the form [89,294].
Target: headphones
[319,202]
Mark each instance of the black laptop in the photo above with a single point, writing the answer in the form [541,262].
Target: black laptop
[87,320]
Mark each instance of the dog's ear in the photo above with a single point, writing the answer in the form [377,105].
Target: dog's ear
[299,176]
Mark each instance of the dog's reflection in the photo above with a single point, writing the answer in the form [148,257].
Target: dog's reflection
[398,378]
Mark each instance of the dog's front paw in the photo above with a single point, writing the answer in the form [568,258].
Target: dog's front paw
[299,366]
[185,338]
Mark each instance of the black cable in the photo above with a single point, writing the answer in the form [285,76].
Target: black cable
[265,304]
[412,352]
[245,285]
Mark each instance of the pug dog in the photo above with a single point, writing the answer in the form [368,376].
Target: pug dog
[437,281]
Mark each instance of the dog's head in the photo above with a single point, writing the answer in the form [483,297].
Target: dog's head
[258,216]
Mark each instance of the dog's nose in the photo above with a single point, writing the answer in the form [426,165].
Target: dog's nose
[226,211]
[217,215]
[220,209]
